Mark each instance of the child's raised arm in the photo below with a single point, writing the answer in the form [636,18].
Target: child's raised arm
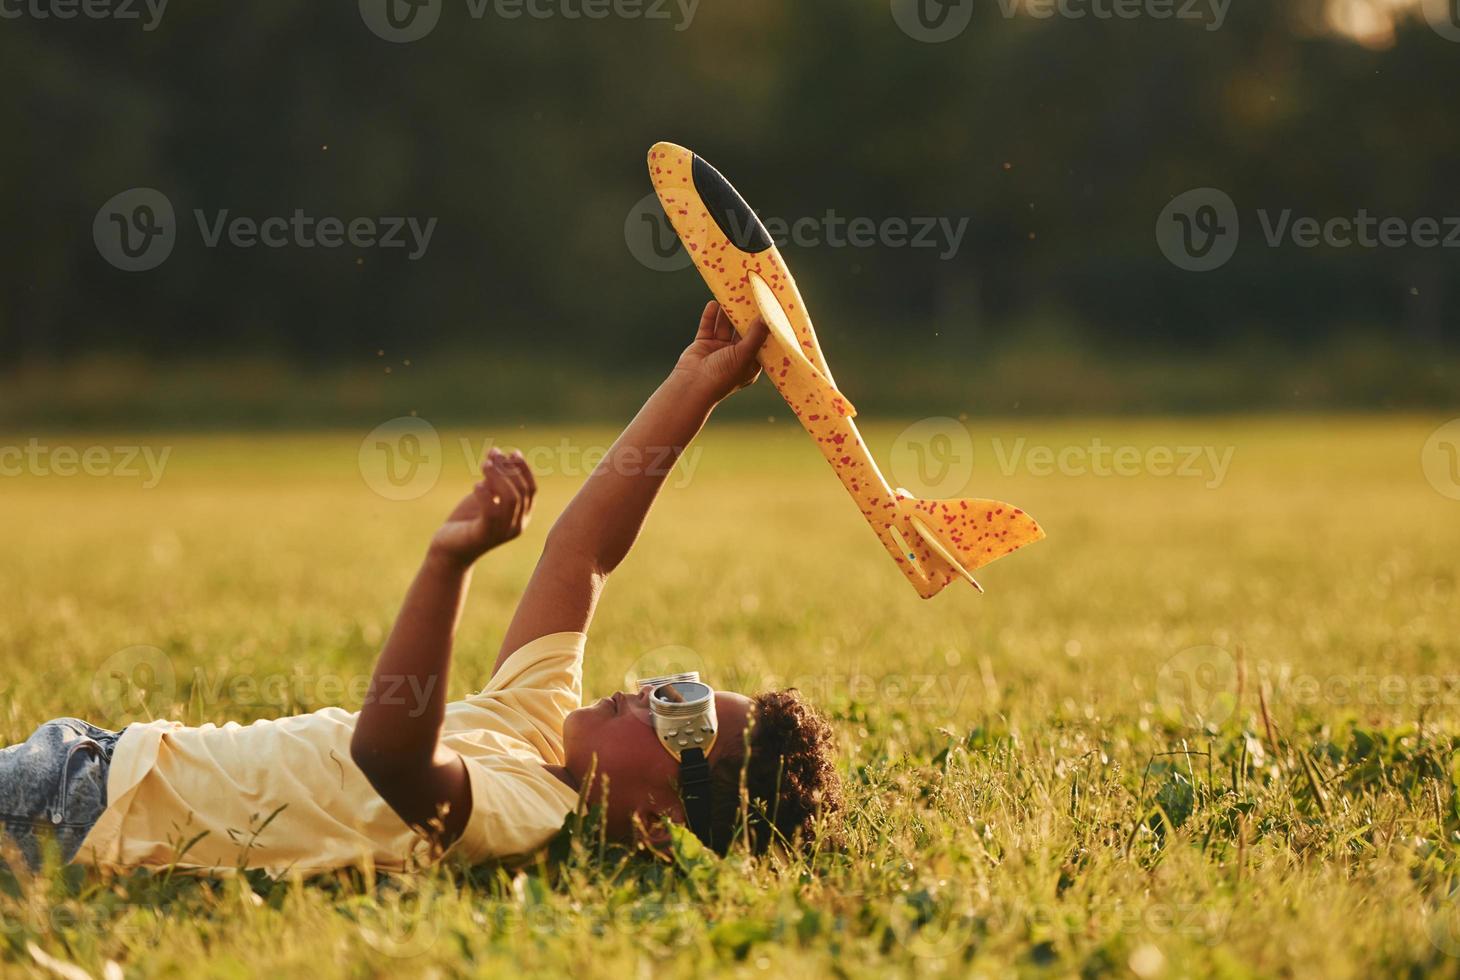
[397,737]
[599,527]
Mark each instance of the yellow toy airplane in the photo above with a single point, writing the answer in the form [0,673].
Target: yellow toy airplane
[933,542]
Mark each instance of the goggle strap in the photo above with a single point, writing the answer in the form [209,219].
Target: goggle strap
[694,791]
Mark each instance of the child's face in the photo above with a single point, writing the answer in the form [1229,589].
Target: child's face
[642,777]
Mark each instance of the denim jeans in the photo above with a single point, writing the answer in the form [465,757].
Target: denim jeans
[53,785]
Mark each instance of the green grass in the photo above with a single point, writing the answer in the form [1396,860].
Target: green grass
[1071,775]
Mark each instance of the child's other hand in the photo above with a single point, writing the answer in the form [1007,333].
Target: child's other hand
[720,360]
[495,512]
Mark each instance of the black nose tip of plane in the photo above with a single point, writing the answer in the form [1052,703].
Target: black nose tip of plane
[728,208]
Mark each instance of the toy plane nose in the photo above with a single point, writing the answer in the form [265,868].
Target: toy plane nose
[668,154]
[736,219]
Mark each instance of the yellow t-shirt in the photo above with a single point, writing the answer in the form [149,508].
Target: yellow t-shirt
[169,782]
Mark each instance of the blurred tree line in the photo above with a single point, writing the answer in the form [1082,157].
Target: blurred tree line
[1059,140]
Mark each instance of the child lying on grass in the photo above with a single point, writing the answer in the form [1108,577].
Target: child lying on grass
[493,776]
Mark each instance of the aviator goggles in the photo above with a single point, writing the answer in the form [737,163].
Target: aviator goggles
[682,708]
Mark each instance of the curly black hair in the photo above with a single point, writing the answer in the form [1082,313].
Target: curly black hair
[775,790]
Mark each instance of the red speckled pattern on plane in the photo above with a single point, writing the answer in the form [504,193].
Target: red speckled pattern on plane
[977,531]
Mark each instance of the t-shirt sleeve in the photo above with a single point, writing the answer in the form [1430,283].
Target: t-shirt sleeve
[536,688]
[516,808]
[548,663]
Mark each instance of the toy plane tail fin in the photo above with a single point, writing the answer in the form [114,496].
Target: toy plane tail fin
[947,540]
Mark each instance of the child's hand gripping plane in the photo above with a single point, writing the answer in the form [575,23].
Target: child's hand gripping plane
[933,542]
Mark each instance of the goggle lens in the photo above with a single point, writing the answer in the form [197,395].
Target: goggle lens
[682,692]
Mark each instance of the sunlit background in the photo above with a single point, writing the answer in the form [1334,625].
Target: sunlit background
[1175,277]
[1041,149]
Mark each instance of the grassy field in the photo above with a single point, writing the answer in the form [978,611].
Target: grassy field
[1208,727]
